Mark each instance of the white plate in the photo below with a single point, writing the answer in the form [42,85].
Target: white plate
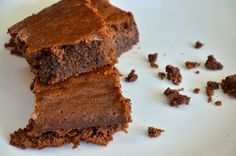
[169,28]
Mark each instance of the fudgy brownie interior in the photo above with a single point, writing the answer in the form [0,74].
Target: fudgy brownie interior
[66,39]
[89,100]
[76,109]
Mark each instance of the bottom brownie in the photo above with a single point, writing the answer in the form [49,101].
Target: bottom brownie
[28,138]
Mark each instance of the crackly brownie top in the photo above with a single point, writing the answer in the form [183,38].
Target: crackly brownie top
[66,22]
[110,13]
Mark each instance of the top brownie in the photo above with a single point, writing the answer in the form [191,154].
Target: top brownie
[66,39]
[121,22]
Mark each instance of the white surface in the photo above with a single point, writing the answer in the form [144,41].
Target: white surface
[168,27]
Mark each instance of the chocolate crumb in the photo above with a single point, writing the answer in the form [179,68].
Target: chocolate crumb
[152,57]
[12,46]
[191,64]
[211,86]
[196,90]
[173,74]
[161,75]
[174,98]
[218,103]
[198,45]
[154,132]
[214,85]
[197,72]
[229,85]
[131,76]
[213,64]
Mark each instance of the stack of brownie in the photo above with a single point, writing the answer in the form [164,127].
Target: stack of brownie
[72,47]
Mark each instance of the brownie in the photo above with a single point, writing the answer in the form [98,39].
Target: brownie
[196,90]
[91,100]
[173,74]
[174,98]
[211,86]
[152,59]
[198,45]
[131,76]
[213,64]
[218,103]
[66,39]
[121,22]
[28,138]
[229,85]
[191,64]
[154,132]
[161,75]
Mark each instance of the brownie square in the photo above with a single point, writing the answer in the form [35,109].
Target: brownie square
[121,22]
[90,101]
[66,39]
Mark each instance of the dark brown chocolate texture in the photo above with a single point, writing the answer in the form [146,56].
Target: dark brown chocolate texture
[213,64]
[131,76]
[57,48]
[211,86]
[218,103]
[161,75]
[174,98]
[121,22]
[154,132]
[192,64]
[72,47]
[90,101]
[65,48]
[196,90]
[173,74]
[198,45]
[229,85]
[152,59]
[28,138]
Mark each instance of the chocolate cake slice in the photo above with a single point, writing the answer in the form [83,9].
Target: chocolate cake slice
[88,108]
[121,22]
[66,39]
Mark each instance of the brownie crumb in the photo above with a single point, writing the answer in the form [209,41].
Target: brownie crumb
[214,85]
[152,59]
[197,72]
[211,86]
[173,74]
[218,103]
[161,75]
[213,64]
[229,85]
[12,46]
[131,76]
[174,98]
[154,132]
[196,90]
[198,45]
[191,64]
